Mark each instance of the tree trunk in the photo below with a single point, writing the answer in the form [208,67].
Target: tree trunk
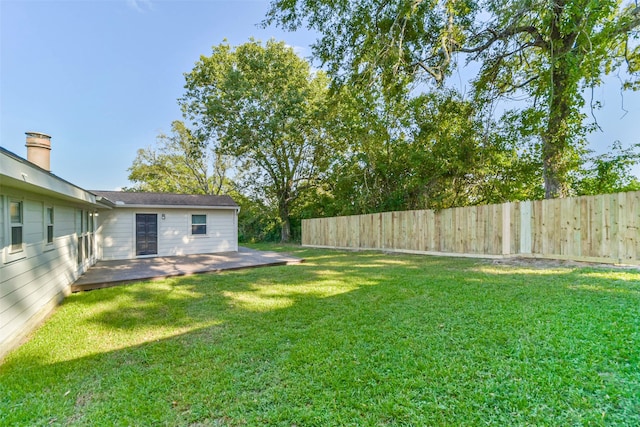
[285,235]
[283,210]
[557,138]
[554,152]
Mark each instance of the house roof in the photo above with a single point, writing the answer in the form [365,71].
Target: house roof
[125,198]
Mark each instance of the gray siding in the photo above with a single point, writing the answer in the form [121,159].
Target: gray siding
[2,226]
[40,276]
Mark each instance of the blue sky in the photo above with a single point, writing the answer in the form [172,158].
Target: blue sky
[102,77]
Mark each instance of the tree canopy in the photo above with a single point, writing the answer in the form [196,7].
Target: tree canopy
[264,106]
[179,163]
[432,151]
[548,52]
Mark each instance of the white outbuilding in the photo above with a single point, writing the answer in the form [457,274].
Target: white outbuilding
[159,224]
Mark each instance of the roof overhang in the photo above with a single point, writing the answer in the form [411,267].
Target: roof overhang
[104,203]
[22,175]
[191,207]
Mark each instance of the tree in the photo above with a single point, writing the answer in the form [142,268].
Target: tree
[179,164]
[460,158]
[547,51]
[610,172]
[266,108]
[371,173]
[432,151]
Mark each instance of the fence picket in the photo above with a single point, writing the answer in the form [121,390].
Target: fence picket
[604,228]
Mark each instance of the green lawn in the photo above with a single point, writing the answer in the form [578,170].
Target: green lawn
[343,339]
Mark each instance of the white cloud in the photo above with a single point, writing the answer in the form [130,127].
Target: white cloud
[140,5]
[298,50]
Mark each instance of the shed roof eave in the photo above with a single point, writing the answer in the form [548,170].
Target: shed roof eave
[105,203]
[192,207]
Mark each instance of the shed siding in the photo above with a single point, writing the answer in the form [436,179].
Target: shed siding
[31,285]
[117,232]
[175,238]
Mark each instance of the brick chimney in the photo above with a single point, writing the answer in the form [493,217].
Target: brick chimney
[39,149]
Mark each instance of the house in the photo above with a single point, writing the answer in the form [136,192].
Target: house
[52,231]
[159,224]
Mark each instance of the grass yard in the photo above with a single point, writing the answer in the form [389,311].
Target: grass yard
[343,339]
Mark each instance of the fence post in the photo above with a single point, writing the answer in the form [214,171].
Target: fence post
[525,227]
[506,228]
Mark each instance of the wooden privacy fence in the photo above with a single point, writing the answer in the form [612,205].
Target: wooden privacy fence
[603,228]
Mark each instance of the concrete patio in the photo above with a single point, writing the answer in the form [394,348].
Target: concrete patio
[112,273]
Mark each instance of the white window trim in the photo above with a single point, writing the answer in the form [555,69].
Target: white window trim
[49,245]
[14,255]
[206,226]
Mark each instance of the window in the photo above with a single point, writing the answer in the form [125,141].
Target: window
[15,212]
[49,219]
[78,222]
[198,224]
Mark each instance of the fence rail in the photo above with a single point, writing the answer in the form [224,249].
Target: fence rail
[603,228]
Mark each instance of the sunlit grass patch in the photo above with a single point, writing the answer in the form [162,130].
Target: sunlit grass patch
[512,270]
[269,296]
[346,338]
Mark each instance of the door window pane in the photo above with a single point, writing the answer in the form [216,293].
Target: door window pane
[49,225]
[16,239]
[79,222]
[15,210]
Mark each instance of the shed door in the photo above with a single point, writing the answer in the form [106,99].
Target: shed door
[146,234]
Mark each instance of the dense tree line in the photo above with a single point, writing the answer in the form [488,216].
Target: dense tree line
[373,135]
[545,51]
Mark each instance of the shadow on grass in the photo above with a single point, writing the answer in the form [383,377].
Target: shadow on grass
[346,338]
